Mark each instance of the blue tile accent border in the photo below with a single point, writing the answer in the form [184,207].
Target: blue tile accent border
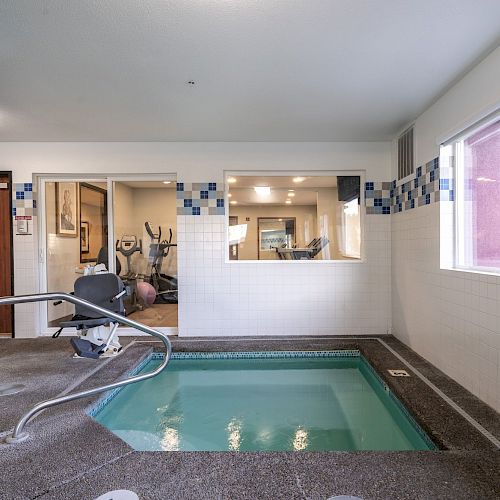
[378,197]
[424,187]
[23,200]
[200,198]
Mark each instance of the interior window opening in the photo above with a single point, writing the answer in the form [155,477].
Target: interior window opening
[294,217]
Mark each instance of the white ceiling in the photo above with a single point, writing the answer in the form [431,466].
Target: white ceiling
[303,193]
[265,70]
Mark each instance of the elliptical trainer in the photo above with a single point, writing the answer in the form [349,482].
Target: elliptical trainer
[164,284]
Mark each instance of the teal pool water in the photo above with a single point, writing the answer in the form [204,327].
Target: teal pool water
[311,404]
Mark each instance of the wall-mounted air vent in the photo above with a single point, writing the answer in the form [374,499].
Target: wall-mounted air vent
[405,153]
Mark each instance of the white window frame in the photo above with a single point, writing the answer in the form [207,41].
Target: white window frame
[462,244]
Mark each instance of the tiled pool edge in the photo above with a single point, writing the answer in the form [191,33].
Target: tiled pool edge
[423,434]
[104,400]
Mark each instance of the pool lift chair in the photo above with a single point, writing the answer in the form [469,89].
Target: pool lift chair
[96,333]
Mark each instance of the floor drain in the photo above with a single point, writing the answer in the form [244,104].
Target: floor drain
[399,373]
[8,389]
[119,495]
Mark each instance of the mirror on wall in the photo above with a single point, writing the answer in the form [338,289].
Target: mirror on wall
[93,221]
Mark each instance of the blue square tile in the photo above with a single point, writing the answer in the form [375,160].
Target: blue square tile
[377,202]
[427,199]
[424,189]
[394,184]
[386,210]
[212,186]
[196,210]
[13,211]
[432,176]
[412,203]
[451,194]
[180,186]
[419,172]
[220,202]
[409,195]
[204,195]
[444,184]
[369,186]
[188,203]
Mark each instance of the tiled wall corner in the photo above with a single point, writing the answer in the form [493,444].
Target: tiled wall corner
[429,184]
[200,198]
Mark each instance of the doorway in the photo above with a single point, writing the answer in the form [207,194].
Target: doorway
[6,254]
[127,224]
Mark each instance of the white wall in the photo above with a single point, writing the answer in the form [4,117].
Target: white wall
[451,318]
[337,298]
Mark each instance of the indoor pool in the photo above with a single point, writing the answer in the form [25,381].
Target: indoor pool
[261,402]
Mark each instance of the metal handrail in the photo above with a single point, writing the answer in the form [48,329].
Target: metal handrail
[18,435]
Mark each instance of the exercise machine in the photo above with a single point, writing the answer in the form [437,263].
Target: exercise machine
[164,284]
[96,333]
[307,253]
[127,245]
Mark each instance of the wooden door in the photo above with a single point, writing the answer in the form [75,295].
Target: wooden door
[6,253]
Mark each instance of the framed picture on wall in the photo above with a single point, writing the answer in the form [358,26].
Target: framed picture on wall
[67,209]
[84,237]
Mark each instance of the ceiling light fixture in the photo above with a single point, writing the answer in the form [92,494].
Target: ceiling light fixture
[167,182]
[233,202]
[291,194]
[299,179]
[288,202]
[229,195]
[231,180]
[262,190]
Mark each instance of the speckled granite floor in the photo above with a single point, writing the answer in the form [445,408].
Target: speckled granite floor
[70,456]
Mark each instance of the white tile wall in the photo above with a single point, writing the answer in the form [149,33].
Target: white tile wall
[240,298]
[451,318]
[25,282]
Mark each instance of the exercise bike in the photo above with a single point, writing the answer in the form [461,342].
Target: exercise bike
[127,246]
[165,286]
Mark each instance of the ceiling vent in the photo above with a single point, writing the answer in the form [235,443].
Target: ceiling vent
[405,153]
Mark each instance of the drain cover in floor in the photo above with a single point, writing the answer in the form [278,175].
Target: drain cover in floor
[8,389]
[119,495]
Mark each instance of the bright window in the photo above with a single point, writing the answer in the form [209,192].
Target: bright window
[477,231]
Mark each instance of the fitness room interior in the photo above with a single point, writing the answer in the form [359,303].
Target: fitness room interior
[143,231]
[249,249]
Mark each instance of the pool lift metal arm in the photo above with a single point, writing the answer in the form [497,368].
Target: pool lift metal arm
[18,435]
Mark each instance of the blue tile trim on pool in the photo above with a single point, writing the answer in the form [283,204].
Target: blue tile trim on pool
[400,405]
